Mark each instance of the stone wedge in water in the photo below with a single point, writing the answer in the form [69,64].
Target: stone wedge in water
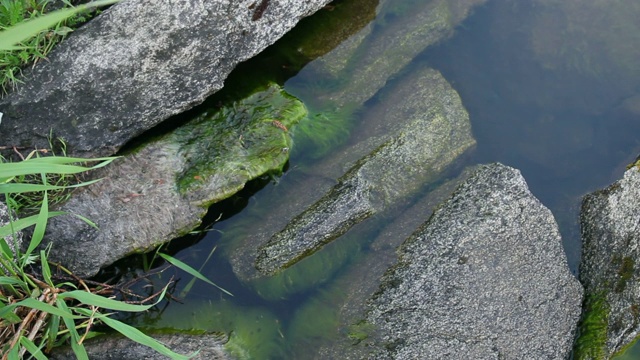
[137,64]
[363,64]
[485,277]
[609,268]
[161,191]
[429,136]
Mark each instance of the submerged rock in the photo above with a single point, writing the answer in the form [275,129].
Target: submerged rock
[202,346]
[485,277]
[137,64]
[361,65]
[253,332]
[430,130]
[162,190]
[609,270]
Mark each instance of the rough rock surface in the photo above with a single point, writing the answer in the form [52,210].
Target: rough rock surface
[138,63]
[486,277]
[13,242]
[610,223]
[431,130]
[207,346]
[162,190]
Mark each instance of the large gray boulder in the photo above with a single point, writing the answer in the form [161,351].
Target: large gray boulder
[135,65]
[609,270]
[486,277]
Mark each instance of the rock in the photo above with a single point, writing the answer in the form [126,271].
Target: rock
[137,64]
[360,66]
[609,271]
[431,129]
[485,277]
[252,332]
[14,241]
[163,189]
[207,346]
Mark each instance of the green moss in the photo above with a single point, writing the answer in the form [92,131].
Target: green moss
[239,142]
[254,333]
[592,340]
[625,273]
[309,272]
[321,133]
[360,331]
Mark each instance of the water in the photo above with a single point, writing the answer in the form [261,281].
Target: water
[542,97]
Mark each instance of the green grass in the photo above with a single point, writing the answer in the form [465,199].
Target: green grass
[35,48]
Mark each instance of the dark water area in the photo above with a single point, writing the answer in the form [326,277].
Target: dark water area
[563,130]
[569,124]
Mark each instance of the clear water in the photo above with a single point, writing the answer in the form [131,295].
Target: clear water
[569,125]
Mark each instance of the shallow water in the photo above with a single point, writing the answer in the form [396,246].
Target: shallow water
[569,125]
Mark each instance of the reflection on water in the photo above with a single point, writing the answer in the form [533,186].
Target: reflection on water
[549,91]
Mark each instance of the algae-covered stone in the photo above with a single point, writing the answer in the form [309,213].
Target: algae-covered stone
[360,66]
[609,268]
[198,346]
[431,130]
[162,190]
[485,277]
[254,333]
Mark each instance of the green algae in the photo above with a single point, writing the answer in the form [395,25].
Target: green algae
[311,271]
[253,332]
[319,134]
[592,339]
[237,143]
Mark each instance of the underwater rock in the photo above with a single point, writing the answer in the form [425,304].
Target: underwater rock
[360,66]
[609,270]
[430,130]
[163,189]
[205,346]
[137,64]
[253,332]
[485,277]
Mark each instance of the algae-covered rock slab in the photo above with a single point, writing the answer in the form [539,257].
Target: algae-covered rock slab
[162,190]
[430,130]
[609,268]
[485,277]
[360,66]
[201,346]
[138,63]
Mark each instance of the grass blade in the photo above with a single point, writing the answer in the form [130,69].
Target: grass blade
[191,271]
[141,338]
[103,302]
[20,224]
[38,305]
[78,349]
[15,188]
[41,224]
[32,348]
[30,28]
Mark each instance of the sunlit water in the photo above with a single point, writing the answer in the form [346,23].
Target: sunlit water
[568,131]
